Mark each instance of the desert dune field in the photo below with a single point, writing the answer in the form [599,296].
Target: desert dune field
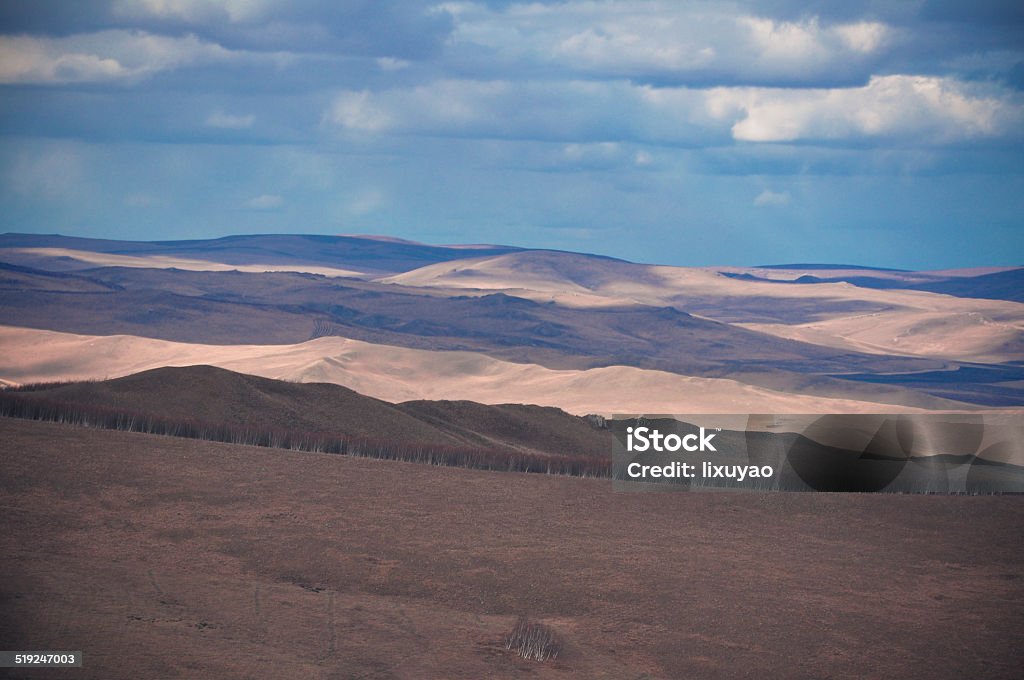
[400,374]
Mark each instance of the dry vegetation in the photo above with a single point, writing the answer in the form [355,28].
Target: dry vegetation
[532,640]
[176,558]
[19,405]
[249,402]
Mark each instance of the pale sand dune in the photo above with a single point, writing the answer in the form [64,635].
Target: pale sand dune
[917,322]
[964,336]
[711,283]
[169,262]
[500,272]
[791,273]
[617,283]
[400,374]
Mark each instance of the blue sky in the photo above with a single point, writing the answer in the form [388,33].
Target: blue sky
[881,133]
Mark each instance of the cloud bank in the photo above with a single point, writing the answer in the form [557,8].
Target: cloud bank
[439,120]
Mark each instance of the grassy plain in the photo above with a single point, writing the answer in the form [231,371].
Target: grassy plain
[164,557]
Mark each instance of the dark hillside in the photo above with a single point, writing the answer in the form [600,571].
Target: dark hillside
[217,396]
[539,428]
[356,252]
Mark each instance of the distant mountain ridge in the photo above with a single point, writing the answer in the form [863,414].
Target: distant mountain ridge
[1001,285]
[358,252]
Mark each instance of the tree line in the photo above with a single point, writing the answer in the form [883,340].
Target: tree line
[21,405]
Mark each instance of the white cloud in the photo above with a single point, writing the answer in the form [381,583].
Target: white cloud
[219,119]
[661,38]
[784,42]
[114,55]
[789,44]
[359,111]
[913,109]
[43,60]
[392,64]
[575,111]
[928,110]
[443,106]
[365,201]
[618,49]
[593,151]
[264,202]
[768,198]
[864,36]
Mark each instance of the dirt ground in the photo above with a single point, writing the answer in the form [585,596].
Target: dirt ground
[172,558]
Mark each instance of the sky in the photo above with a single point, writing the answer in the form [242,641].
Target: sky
[886,133]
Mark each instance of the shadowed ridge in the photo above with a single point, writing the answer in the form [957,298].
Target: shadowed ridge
[537,428]
[347,252]
[1000,285]
[1005,285]
[219,396]
[819,265]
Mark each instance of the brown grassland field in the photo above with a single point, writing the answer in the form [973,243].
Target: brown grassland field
[172,558]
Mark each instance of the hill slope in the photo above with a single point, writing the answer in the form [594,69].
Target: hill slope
[800,329]
[298,252]
[194,559]
[216,395]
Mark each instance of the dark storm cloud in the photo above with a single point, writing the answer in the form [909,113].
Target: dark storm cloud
[54,17]
[979,12]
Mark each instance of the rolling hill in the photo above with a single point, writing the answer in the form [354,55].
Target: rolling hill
[807,331]
[398,374]
[217,396]
[348,255]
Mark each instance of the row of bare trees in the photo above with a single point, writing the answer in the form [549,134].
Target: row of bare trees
[23,405]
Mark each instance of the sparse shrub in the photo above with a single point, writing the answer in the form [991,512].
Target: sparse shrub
[533,640]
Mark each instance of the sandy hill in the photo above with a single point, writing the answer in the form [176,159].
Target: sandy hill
[216,395]
[1001,284]
[400,374]
[355,254]
[961,315]
[809,330]
[277,308]
[530,269]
